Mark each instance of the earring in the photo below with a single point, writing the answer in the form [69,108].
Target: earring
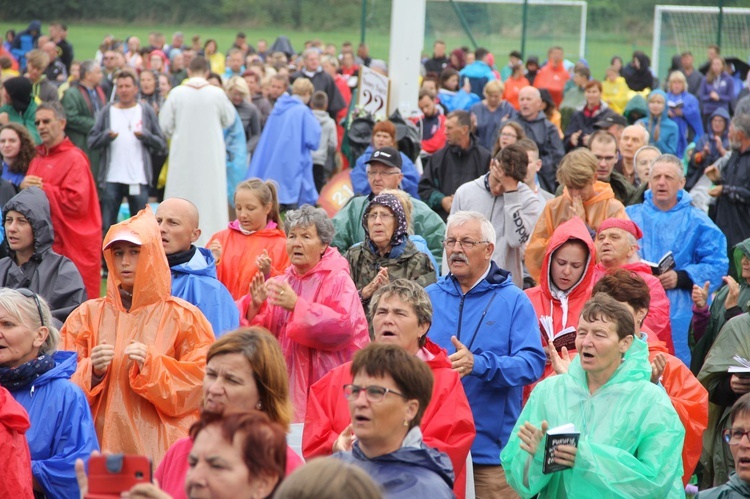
[406,422]
[259,406]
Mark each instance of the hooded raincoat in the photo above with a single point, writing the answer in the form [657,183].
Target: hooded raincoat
[74,207]
[664,133]
[414,470]
[630,443]
[563,307]
[62,429]
[447,423]
[700,159]
[599,207]
[52,276]
[497,323]
[141,411]
[690,119]
[14,423]
[734,340]
[284,151]
[326,327]
[236,267]
[195,282]
[733,489]
[362,185]
[698,248]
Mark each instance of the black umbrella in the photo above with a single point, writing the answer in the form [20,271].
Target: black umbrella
[738,64]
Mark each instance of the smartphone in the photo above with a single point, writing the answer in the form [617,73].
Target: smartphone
[112,474]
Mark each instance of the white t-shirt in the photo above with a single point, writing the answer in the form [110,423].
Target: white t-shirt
[126,151]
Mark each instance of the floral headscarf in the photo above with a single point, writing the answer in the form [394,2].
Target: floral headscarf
[392,203]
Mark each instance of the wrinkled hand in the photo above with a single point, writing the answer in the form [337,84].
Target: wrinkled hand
[565,455]
[657,367]
[463,360]
[31,181]
[716,191]
[380,280]
[101,357]
[281,293]
[344,442]
[531,436]
[264,264]
[137,352]
[668,279]
[446,203]
[700,294]
[559,361]
[258,290]
[739,385]
[576,209]
[733,294]
[146,491]
[216,250]
[713,173]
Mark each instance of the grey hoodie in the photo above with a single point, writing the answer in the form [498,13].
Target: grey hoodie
[328,138]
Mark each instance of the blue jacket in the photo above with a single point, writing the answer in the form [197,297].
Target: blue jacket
[457,101]
[236,145]
[196,283]
[284,152]
[724,86]
[362,186]
[479,74]
[496,321]
[691,117]
[699,248]
[413,471]
[668,130]
[62,429]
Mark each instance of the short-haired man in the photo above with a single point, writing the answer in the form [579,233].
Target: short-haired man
[491,330]
[384,172]
[670,223]
[553,75]
[503,198]
[195,116]
[542,131]
[617,247]
[36,64]
[278,86]
[62,171]
[633,138]
[82,102]
[127,133]
[532,170]
[613,123]
[313,71]
[193,268]
[733,190]
[693,76]
[56,71]
[235,64]
[603,145]
[460,161]
[439,59]
[583,196]
[432,122]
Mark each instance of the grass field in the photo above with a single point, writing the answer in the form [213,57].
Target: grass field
[85,38]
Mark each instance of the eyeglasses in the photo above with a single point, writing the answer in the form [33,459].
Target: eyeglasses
[30,294]
[380,174]
[373,393]
[608,159]
[734,437]
[509,135]
[465,243]
[383,216]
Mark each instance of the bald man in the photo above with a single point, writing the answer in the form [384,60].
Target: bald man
[194,269]
[633,138]
[543,132]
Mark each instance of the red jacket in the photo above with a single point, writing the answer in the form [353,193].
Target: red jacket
[690,400]
[437,141]
[16,469]
[657,319]
[74,206]
[541,295]
[447,424]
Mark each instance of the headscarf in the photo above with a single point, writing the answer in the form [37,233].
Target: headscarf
[392,203]
[19,91]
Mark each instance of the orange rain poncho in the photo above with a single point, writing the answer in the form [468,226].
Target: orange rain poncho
[601,206]
[237,266]
[141,412]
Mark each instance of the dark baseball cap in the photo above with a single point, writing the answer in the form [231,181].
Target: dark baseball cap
[610,120]
[387,156]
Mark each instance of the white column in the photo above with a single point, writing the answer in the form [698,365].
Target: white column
[407,42]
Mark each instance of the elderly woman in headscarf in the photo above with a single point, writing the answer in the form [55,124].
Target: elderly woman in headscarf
[386,253]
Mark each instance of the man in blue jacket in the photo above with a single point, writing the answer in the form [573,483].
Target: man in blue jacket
[194,269]
[490,327]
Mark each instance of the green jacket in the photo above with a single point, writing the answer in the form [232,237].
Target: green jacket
[349,230]
[412,264]
[80,120]
[26,119]
[631,437]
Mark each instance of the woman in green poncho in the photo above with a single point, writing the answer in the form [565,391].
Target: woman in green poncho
[631,438]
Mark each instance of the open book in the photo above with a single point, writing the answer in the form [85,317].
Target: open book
[742,368]
[561,435]
[663,266]
[565,338]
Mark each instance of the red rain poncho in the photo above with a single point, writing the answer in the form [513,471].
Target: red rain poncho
[16,469]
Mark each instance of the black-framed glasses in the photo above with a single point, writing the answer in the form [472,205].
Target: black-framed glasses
[734,437]
[373,393]
[465,243]
[30,294]
[608,159]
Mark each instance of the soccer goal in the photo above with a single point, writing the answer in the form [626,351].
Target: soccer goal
[680,28]
[498,25]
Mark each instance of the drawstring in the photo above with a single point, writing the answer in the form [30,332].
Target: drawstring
[31,392]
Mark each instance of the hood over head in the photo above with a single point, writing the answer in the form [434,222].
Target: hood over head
[660,92]
[33,204]
[282,44]
[573,229]
[392,203]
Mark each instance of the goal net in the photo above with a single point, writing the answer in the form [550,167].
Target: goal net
[682,28]
[498,26]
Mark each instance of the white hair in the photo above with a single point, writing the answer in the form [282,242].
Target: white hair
[462,217]
[25,311]
[669,159]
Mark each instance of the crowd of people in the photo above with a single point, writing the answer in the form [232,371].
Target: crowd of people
[556,252]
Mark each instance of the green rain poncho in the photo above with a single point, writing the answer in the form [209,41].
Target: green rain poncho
[631,437]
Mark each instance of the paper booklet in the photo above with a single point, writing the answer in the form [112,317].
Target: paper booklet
[565,338]
[561,435]
[743,367]
[663,266]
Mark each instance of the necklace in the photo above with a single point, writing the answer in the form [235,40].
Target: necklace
[129,117]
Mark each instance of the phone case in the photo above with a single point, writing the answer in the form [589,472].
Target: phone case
[110,475]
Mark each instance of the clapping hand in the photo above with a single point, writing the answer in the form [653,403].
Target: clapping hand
[280,293]
[137,352]
[378,281]
[700,294]
[657,367]
[264,264]
[530,436]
